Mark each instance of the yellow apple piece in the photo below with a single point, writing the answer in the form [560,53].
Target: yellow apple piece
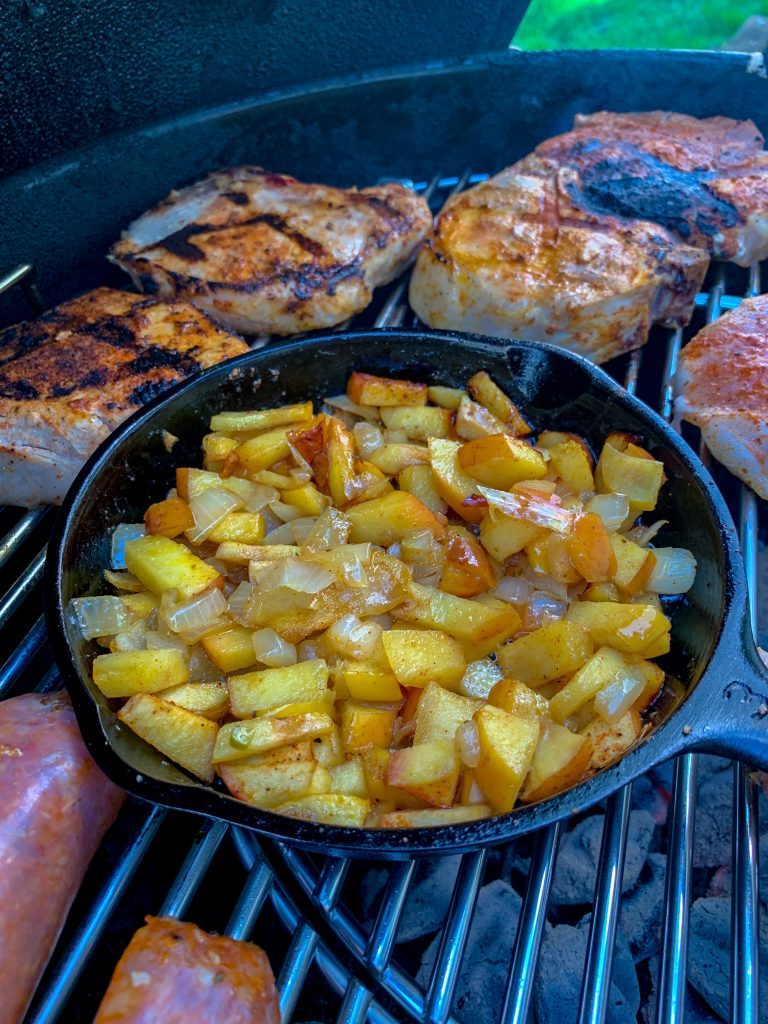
[447,398]
[230,649]
[394,458]
[264,450]
[367,389]
[559,761]
[420,482]
[329,809]
[611,740]
[453,484]
[365,681]
[507,744]
[434,817]
[440,713]
[349,778]
[180,735]
[255,692]
[503,536]
[169,518]
[267,785]
[518,699]
[627,627]
[162,564]
[238,527]
[634,565]
[428,771]
[590,549]
[364,725]
[418,422]
[124,673]
[386,520]
[261,419]
[211,700]
[571,463]
[548,653]
[488,393]
[421,656]
[328,749]
[307,499]
[238,740]
[584,684]
[639,478]
[501,461]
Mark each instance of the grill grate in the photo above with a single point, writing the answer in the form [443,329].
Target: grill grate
[321,944]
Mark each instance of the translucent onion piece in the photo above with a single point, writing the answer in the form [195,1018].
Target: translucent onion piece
[208,508]
[347,562]
[124,581]
[284,511]
[260,496]
[419,547]
[543,608]
[157,641]
[618,696]
[99,616]
[134,639]
[301,528]
[304,577]
[122,534]
[301,476]
[513,589]
[645,534]
[332,528]
[367,438]
[309,649]
[544,582]
[613,509]
[468,744]
[427,577]
[282,535]
[673,573]
[346,404]
[239,601]
[199,613]
[201,668]
[272,650]
[396,437]
[354,639]
[480,678]
[540,512]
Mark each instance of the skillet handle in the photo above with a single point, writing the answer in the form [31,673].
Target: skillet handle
[727,713]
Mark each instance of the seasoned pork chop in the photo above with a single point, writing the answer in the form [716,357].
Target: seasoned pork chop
[515,257]
[706,180]
[722,378]
[68,379]
[264,253]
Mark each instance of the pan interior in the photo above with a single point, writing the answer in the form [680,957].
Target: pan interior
[555,391]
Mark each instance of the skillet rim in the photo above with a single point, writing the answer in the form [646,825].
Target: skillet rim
[663,742]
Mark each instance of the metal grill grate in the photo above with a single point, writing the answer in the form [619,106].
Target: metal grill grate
[323,944]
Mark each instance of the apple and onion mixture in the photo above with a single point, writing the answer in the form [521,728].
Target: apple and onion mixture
[401,610]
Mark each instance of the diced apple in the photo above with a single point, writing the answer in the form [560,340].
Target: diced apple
[499,460]
[507,745]
[440,713]
[485,391]
[421,656]
[261,419]
[328,749]
[559,761]
[367,389]
[365,681]
[601,592]
[432,818]
[420,482]
[394,458]
[307,499]
[634,565]
[474,421]
[264,450]
[127,672]
[191,482]
[239,528]
[518,699]
[386,520]
[169,518]
[548,653]
[447,398]
[349,778]
[639,478]
[291,753]
[230,649]
[162,564]
[267,785]
[627,627]
[363,725]
[611,741]
[182,736]
[569,461]
[428,771]
[503,536]
[211,700]
[238,740]
[586,683]
[467,571]
[255,692]
[590,549]
[454,485]
[340,451]
[418,422]
[329,809]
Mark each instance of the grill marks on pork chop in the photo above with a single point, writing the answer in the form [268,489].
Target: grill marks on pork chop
[68,379]
[263,252]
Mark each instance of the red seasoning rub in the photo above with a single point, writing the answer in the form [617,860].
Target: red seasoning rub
[56,806]
[174,972]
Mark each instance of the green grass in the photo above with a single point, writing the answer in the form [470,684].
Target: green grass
[664,24]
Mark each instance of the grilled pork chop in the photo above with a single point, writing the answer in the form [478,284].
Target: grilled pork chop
[706,180]
[265,253]
[68,379]
[722,378]
[515,257]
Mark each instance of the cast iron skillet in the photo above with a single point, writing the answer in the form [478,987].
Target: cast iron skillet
[712,649]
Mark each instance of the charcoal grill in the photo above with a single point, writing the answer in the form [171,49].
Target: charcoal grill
[157,861]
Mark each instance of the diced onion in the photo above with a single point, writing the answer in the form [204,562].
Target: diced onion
[673,573]
[124,581]
[618,696]
[208,508]
[284,511]
[201,668]
[301,528]
[396,437]
[100,616]
[419,547]
[353,638]
[272,650]
[367,438]
[542,581]
[543,608]
[331,528]
[613,509]
[282,535]
[346,404]
[199,614]
[122,534]
[479,678]
[239,601]
[135,639]
[513,589]
[259,496]
[157,641]
[468,744]
[539,512]
[347,562]
[305,577]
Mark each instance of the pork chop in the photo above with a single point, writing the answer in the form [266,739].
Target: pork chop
[68,379]
[722,379]
[265,253]
[704,179]
[515,257]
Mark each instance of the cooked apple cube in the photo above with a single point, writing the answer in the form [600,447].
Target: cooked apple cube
[627,627]
[433,817]
[307,499]
[421,656]
[255,692]
[478,627]
[386,520]
[291,753]
[590,549]
[238,528]
[267,785]
[440,713]
[559,761]
[329,809]
[211,700]
[242,554]
[366,389]
[340,454]
[611,741]
[230,649]
[480,678]
[467,570]
[328,749]
[634,565]
[503,536]
[485,391]
[584,684]
[363,725]
[264,450]
[365,681]
[162,564]
[454,485]
[499,460]
[169,518]
[428,771]
[182,736]
[569,461]
[639,478]
[418,422]
[127,672]
[238,740]
[261,419]
[548,653]
[420,482]
[394,458]
[507,745]
[474,421]
[447,398]
[518,699]
[349,778]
